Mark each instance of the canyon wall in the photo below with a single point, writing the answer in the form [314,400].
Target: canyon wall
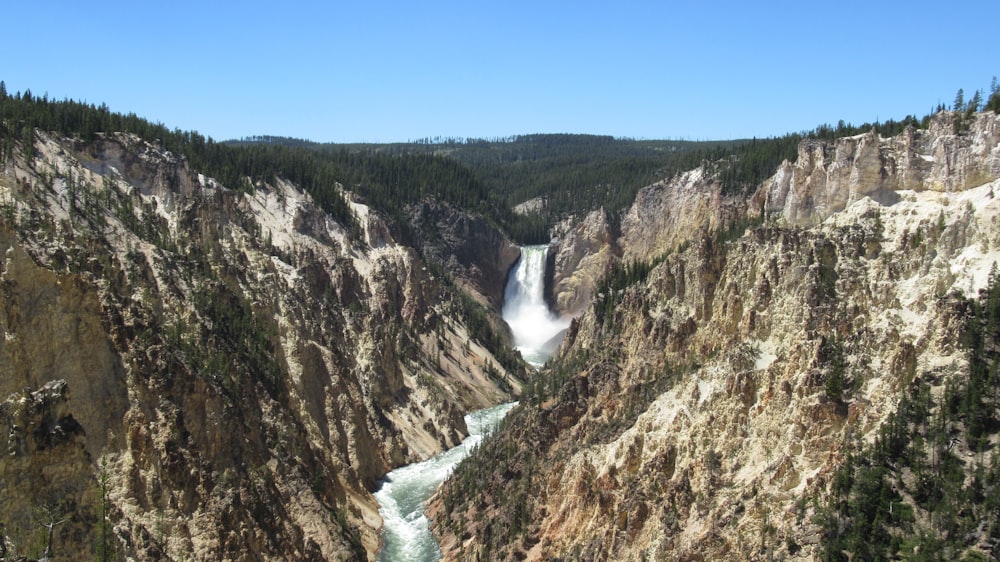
[577,260]
[828,176]
[193,372]
[824,179]
[700,409]
[476,254]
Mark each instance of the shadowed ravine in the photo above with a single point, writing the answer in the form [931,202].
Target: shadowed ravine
[537,332]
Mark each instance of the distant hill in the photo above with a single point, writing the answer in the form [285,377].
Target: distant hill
[571,173]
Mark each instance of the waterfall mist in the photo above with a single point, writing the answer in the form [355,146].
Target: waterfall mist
[537,331]
[537,335]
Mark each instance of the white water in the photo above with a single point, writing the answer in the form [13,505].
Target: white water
[405,535]
[537,332]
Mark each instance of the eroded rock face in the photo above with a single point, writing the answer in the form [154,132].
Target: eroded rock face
[693,412]
[577,262]
[192,372]
[825,178]
[476,254]
[828,176]
[663,217]
[667,214]
[45,459]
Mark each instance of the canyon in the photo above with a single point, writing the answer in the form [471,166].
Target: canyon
[199,371]
[404,492]
[193,372]
[702,405]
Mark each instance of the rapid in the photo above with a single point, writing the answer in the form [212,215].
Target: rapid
[405,533]
[537,333]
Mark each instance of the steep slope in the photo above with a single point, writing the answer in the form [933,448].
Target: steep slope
[192,372]
[703,404]
[578,260]
[477,254]
[669,213]
[665,215]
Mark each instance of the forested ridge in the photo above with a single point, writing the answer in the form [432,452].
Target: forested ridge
[571,173]
[386,182]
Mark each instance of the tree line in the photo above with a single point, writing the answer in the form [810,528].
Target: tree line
[387,182]
[572,173]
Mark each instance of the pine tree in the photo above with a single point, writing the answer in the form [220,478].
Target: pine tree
[28,143]
[974,103]
[993,104]
[959,103]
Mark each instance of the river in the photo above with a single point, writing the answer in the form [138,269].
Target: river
[405,534]
[537,334]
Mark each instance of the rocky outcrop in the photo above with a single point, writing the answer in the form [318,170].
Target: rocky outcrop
[578,260]
[664,216]
[475,253]
[46,460]
[192,372]
[697,408]
[667,214]
[828,176]
[531,206]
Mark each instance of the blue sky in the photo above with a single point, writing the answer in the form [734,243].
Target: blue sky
[394,71]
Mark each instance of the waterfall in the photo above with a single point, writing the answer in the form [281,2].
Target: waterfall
[537,334]
[537,331]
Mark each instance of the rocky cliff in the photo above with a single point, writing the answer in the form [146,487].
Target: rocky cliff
[664,216]
[476,254]
[702,405]
[674,211]
[192,372]
[824,179]
[577,260]
[828,176]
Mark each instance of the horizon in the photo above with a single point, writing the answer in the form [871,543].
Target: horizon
[397,73]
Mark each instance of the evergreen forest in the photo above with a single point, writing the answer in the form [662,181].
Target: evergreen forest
[570,173]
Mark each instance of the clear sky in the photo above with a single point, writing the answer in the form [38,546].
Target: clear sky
[386,71]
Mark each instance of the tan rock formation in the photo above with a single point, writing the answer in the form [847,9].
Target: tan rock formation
[578,260]
[689,414]
[663,217]
[192,372]
[827,177]
[674,211]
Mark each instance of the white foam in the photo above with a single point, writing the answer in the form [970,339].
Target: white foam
[535,328]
